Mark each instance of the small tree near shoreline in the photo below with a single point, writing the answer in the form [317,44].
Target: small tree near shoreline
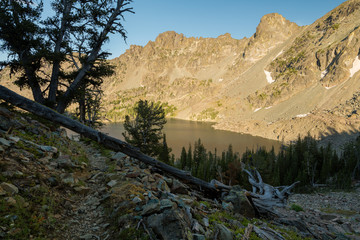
[144,129]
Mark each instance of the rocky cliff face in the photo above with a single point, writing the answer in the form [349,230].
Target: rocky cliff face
[283,81]
[194,75]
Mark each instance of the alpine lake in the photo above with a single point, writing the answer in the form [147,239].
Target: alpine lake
[182,133]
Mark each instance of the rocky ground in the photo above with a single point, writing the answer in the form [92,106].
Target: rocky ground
[54,188]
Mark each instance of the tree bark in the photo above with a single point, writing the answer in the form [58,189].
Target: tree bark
[93,55]
[107,141]
[265,197]
[56,64]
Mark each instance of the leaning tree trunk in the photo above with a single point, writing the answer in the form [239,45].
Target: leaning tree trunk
[264,196]
[107,141]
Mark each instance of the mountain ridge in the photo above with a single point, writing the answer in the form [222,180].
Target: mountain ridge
[283,81]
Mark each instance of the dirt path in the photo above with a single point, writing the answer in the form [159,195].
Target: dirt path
[86,217]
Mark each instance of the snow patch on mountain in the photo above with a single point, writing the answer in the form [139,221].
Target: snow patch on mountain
[323,73]
[268,77]
[302,115]
[356,66]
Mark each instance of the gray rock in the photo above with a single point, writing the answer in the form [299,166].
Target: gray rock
[198,237]
[53,181]
[178,187]
[82,190]
[223,232]
[67,178]
[347,227]
[118,156]
[5,142]
[9,188]
[1,149]
[14,139]
[236,223]
[227,206]
[206,222]
[124,219]
[197,227]
[162,186]
[171,224]
[2,191]
[340,236]
[48,149]
[11,201]
[65,162]
[5,123]
[112,183]
[87,236]
[328,217]
[136,200]
[240,203]
[7,120]
[166,203]
[151,207]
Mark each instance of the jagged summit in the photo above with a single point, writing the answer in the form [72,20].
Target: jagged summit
[278,83]
[274,24]
[169,39]
[272,30]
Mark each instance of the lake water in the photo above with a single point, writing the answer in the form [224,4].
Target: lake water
[181,133]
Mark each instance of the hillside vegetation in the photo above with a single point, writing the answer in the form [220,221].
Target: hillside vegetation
[283,81]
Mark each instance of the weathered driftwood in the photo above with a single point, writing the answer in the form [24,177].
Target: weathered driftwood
[265,197]
[107,141]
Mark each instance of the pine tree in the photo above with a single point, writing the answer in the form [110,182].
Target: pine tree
[144,128]
[164,154]
[73,36]
[189,159]
[183,157]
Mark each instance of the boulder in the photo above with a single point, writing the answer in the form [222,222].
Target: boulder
[171,224]
[82,190]
[153,206]
[5,142]
[67,178]
[9,188]
[198,237]
[112,183]
[240,203]
[166,203]
[48,149]
[118,156]
[178,188]
[222,232]
[65,162]
[7,120]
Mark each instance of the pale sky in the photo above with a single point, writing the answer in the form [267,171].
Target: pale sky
[209,18]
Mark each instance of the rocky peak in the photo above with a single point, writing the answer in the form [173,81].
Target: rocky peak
[169,39]
[274,25]
[225,36]
[272,30]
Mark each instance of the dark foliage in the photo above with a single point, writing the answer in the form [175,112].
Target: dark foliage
[60,57]
[303,160]
[144,129]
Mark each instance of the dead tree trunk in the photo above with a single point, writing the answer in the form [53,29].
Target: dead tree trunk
[107,141]
[265,197]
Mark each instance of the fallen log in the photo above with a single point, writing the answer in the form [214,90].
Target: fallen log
[265,197]
[103,139]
